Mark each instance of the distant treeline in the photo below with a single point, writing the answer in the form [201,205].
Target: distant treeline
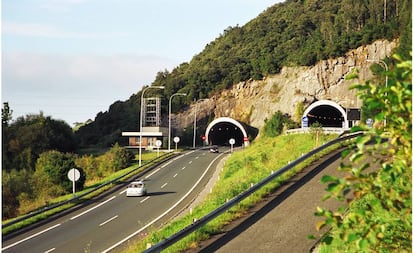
[287,34]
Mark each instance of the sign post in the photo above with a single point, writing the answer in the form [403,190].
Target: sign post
[176,140]
[232,141]
[158,143]
[73,176]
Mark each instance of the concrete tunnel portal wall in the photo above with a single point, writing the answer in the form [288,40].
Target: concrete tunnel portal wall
[327,113]
[221,130]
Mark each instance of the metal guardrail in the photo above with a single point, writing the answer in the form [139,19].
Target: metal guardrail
[326,130]
[45,209]
[210,216]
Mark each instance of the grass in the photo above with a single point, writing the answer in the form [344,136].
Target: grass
[147,157]
[242,169]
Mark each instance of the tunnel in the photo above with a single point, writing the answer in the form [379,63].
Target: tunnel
[221,130]
[327,113]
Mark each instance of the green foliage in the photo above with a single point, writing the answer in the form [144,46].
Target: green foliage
[52,169]
[275,125]
[379,218]
[26,138]
[291,33]
[6,114]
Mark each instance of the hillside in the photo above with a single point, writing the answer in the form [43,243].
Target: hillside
[293,33]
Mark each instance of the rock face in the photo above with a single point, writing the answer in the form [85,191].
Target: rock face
[252,102]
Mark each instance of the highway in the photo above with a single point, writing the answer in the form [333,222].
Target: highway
[110,221]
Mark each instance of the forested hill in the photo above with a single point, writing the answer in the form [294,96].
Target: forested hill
[286,34]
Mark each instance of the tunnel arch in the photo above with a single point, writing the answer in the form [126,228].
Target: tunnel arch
[222,129]
[328,113]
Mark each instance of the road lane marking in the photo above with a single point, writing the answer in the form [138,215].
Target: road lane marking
[30,237]
[48,251]
[152,173]
[162,186]
[190,162]
[90,209]
[197,157]
[109,220]
[176,174]
[183,168]
[142,201]
[122,192]
[163,214]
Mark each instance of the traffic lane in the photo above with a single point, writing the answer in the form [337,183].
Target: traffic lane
[53,236]
[284,221]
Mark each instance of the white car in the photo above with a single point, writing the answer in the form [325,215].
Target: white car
[136,188]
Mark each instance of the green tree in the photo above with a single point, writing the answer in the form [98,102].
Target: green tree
[6,114]
[52,168]
[379,218]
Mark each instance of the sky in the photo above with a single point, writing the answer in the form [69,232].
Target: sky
[72,59]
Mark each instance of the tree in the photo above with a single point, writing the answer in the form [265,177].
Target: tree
[6,114]
[51,178]
[379,173]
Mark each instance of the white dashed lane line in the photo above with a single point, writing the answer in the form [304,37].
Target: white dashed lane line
[142,201]
[109,220]
[162,186]
[183,168]
[176,174]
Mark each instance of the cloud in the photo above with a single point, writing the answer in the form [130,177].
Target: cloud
[74,88]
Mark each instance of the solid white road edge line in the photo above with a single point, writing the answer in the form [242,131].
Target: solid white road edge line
[109,220]
[163,214]
[90,209]
[30,237]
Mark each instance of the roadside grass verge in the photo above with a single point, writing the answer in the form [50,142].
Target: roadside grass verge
[242,169]
[148,159]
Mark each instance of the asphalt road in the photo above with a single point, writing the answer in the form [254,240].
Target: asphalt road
[282,222]
[106,224]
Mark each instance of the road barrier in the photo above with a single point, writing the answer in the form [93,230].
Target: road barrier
[210,216]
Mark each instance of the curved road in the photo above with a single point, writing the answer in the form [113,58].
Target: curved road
[108,223]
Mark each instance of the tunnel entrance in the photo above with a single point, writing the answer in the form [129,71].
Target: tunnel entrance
[327,113]
[221,130]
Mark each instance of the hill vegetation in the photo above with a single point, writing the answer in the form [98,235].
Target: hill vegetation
[287,34]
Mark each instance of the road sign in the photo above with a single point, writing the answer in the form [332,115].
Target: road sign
[158,143]
[73,175]
[232,141]
[305,121]
[176,139]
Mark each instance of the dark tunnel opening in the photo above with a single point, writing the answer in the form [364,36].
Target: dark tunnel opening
[326,115]
[222,132]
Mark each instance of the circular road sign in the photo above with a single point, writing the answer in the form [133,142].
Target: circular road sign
[73,175]
[232,141]
[176,139]
[158,143]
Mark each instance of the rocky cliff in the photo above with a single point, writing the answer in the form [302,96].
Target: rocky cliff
[252,102]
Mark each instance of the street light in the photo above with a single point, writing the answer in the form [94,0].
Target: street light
[386,82]
[195,121]
[169,117]
[140,121]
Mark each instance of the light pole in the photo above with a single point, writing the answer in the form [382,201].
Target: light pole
[140,121]
[386,82]
[169,117]
[195,121]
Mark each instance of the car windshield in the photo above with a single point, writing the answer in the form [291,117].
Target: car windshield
[136,185]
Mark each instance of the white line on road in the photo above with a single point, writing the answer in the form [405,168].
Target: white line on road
[162,186]
[142,201]
[90,209]
[122,192]
[190,162]
[155,171]
[109,220]
[197,157]
[163,214]
[176,174]
[183,168]
[48,251]
[30,237]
